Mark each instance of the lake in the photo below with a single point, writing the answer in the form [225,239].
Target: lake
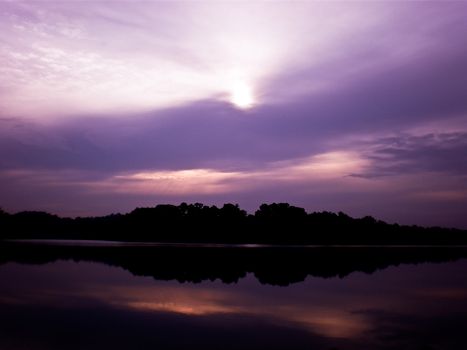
[146,297]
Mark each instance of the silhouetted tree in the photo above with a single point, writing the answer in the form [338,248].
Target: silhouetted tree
[276,223]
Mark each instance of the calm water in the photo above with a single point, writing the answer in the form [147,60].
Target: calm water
[89,305]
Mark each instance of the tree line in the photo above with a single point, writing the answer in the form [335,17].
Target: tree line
[276,223]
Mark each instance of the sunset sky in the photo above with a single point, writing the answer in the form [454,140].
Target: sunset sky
[347,106]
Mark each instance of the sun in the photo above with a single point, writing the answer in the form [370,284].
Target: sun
[242,96]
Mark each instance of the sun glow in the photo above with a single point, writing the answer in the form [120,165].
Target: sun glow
[242,96]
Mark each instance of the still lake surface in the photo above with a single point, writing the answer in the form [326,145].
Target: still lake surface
[79,303]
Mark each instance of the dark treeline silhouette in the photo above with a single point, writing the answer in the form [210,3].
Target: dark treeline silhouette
[277,223]
[270,265]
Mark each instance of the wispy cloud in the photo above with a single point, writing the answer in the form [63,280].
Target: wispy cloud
[409,154]
[69,58]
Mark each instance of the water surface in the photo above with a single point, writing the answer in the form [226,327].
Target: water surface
[65,304]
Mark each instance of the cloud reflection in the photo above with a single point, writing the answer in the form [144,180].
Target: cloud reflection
[327,321]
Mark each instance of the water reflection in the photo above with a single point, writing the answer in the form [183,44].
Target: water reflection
[89,305]
[270,265]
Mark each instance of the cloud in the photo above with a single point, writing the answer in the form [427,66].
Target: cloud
[88,119]
[70,57]
[408,154]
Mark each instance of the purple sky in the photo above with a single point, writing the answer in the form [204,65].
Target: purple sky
[352,106]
